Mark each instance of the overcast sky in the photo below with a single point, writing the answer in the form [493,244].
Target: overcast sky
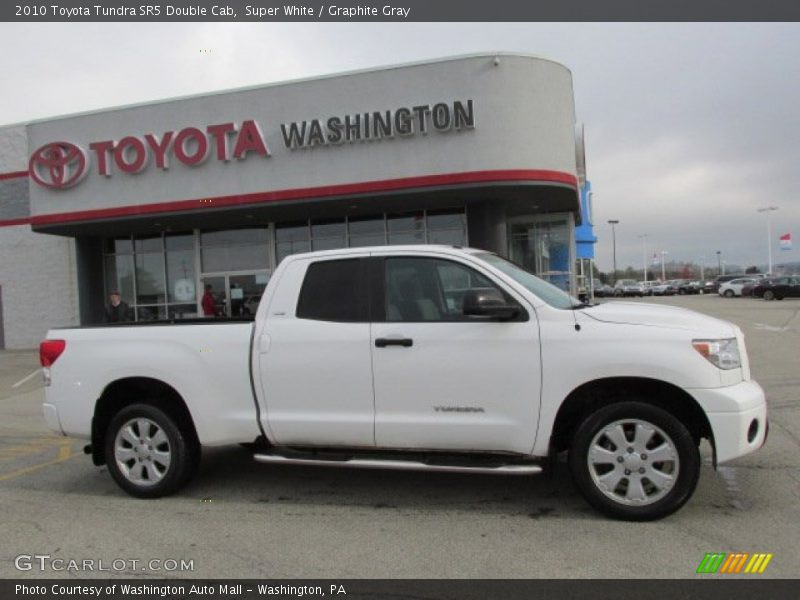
[689,128]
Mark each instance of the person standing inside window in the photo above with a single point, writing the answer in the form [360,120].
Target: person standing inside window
[208,302]
[117,310]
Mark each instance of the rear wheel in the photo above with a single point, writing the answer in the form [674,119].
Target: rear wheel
[634,461]
[148,454]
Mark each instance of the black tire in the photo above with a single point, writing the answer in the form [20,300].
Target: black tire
[669,436]
[147,473]
[769,295]
[730,293]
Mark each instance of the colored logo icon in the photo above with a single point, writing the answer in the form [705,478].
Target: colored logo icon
[58,165]
[734,563]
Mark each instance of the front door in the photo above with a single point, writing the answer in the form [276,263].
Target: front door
[447,381]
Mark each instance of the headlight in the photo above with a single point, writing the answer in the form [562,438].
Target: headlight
[722,353]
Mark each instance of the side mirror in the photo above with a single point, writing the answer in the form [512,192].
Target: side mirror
[488,303]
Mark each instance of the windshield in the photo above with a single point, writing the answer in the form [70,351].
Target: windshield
[549,293]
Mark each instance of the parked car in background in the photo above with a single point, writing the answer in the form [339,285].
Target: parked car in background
[628,287]
[603,291]
[719,280]
[747,288]
[663,288]
[707,287]
[689,287]
[732,288]
[777,288]
[647,287]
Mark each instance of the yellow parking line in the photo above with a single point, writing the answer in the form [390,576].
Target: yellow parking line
[64,453]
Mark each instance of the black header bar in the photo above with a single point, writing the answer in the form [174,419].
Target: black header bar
[399,10]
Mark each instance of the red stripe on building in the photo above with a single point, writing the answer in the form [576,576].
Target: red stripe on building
[387,185]
[13,175]
[12,222]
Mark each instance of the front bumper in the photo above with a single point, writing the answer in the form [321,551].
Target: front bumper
[738,418]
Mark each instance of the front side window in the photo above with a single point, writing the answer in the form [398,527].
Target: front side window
[333,290]
[546,291]
[429,289]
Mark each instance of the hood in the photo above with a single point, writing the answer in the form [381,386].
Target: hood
[657,315]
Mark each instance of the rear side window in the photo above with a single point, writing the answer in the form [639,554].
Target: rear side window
[333,290]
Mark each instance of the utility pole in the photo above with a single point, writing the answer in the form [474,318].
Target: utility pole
[613,223]
[768,210]
[663,275]
[644,254]
[719,262]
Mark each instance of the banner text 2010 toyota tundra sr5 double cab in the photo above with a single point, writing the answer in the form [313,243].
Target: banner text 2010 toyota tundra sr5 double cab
[420,357]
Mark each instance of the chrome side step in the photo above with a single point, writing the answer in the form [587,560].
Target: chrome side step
[399,465]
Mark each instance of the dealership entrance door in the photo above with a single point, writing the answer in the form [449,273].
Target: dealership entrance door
[236,294]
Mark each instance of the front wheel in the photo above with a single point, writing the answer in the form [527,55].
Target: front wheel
[730,293]
[634,461]
[769,295]
[147,453]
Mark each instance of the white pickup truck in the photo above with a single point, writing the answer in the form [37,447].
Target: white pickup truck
[418,357]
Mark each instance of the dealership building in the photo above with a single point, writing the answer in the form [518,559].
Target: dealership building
[159,200]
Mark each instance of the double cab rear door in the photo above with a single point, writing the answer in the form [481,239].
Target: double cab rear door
[367,350]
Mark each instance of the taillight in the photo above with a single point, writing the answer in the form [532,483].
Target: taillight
[50,350]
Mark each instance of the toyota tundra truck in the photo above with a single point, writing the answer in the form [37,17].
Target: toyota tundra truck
[420,357]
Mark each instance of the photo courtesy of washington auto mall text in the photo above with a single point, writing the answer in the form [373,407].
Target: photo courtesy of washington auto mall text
[176,589]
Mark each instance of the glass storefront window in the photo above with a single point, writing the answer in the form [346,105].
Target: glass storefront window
[181,285]
[148,244]
[410,222]
[451,237]
[235,250]
[291,239]
[447,220]
[157,275]
[543,247]
[397,239]
[367,232]
[234,237]
[180,242]
[119,276]
[406,229]
[235,258]
[150,279]
[328,235]
[118,246]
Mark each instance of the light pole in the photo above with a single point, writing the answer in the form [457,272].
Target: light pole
[719,262]
[702,272]
[768,210]
[613,223]
[644,255]
[663,275]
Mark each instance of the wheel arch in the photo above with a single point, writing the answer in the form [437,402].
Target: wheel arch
[593,395]
[138,390]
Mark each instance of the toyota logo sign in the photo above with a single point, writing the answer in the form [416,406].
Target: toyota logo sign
[58,165]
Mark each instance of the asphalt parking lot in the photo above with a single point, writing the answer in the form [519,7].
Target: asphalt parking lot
[242,519]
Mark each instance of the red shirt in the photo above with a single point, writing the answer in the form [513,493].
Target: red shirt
[209,306]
